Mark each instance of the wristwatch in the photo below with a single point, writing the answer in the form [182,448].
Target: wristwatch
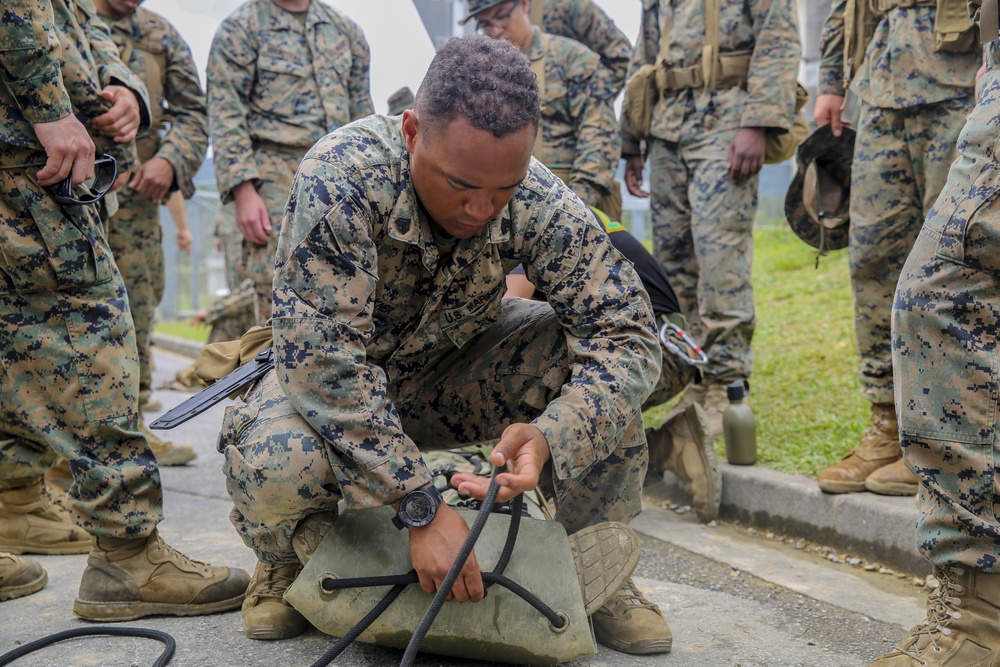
[417,508]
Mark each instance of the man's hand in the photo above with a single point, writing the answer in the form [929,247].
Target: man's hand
[633,176]
[525,450]
[433,549]
[184,240]
[827,111]
[121,121]
[69,149]
[251,213]
[153,179]
[746,155]
[120,181]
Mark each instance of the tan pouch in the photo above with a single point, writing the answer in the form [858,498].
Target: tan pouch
[954,31]
[218,360]
[641,95]
[780,146]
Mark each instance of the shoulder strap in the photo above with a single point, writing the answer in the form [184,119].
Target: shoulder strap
[988,21]
[538,67]
[537,11]
[664,36]
[710,51]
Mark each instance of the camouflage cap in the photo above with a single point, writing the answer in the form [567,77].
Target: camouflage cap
[400,101]
[817,203]
[476,6]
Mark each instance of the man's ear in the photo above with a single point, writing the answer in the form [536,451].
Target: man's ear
[411,127]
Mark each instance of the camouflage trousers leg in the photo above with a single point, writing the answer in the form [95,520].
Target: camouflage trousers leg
[702,227]
[901,160]
[277,171]
[279,470]
[945,326]
[69,381]
[136,241]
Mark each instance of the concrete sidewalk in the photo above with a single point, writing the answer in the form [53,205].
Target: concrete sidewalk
[870,526]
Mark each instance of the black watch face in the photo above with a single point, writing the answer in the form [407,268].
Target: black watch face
[418,509]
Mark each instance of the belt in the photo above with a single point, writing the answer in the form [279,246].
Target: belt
[19,157]
[275,147]
[732,67]
[883,6]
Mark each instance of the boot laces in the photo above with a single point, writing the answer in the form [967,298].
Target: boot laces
[632,598]
[941,612]
[175,555]
[277,579]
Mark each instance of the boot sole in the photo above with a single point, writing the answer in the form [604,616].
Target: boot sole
[641,647]
[838,486]
[11,592]
[892,488]
[61,549]
[129,611]
[605,555]
[270,632]
[706,452]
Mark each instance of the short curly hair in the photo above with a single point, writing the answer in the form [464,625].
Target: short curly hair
[487,82]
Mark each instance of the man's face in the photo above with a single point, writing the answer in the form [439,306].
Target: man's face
[463,176]
[508,20]
[119,8]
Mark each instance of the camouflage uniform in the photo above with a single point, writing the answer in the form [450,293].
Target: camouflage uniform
[945,326]
[155,51]
[70,369]
[269,101]
[384,347]
[914,101]
[578,135]
[585,22]
[701,220]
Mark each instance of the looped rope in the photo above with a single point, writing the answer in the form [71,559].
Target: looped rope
[400,581]
[168,651]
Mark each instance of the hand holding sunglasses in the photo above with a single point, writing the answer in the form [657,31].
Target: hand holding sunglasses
[105,173]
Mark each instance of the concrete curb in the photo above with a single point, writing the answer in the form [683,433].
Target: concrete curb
[879,528]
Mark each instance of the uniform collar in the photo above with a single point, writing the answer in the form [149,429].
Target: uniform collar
[536,51]
[127,25]
[409,222]
[280,19]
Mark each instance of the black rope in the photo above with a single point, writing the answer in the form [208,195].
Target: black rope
[449,580]
[168,651]
[400,581]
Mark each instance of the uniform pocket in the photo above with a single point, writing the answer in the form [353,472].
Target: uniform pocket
[46,247]
[971,234]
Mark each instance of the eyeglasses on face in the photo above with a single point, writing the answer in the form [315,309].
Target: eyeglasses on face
[498,20]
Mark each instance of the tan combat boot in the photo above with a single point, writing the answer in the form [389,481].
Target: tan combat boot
[20,577]
[130,579]
[630,623]
[684,446]
[31,523]
[167,453]
[894,479]
[266,613]
[309,533]
[879,447]
[60,475]
[962,628]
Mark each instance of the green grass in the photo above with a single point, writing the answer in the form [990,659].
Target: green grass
[804,388]
[181,329]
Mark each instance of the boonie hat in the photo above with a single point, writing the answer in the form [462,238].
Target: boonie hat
[817,204]
[400,101]
[476,6]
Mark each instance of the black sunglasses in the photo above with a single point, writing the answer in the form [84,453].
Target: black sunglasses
[105,173]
